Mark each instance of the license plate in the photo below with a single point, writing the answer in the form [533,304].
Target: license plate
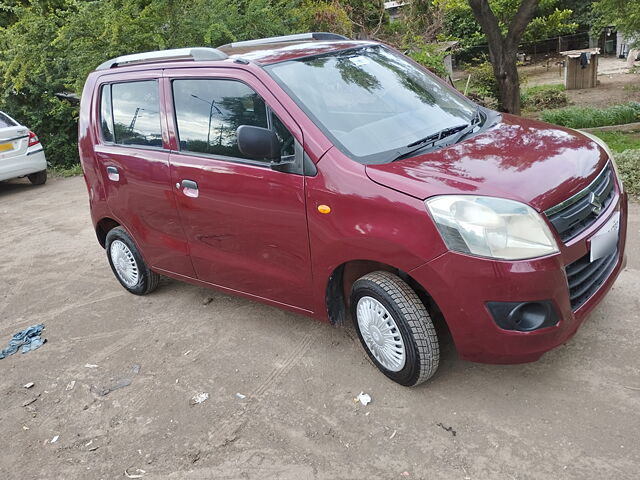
[5,147]
[604,242]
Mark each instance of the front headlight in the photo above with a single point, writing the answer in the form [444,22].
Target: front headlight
[608,151]
[491,227]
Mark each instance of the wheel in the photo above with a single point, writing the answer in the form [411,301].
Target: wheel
[38,178]
[127,264]
[395,328]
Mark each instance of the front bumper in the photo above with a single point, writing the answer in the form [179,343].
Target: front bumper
[461,286]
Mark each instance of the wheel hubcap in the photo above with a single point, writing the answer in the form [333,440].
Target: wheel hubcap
[381,334]
[124,263]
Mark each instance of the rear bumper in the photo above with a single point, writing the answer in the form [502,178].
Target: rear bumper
[462,285]
[14,167]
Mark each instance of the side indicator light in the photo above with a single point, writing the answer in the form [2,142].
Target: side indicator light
[324,208]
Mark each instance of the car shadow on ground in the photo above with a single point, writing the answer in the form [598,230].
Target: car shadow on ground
[452,369]
[9,187]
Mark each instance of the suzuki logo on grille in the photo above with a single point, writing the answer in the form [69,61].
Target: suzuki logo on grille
[595,202]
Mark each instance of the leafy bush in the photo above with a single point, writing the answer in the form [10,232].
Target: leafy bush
[589,117]
[66,40]
[426,54]
[629,166]
[485,101]
[544,97]
[483,82]
[316,16]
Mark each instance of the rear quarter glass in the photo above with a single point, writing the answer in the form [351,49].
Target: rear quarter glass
[6,121]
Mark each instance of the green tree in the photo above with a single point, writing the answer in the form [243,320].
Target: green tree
[623,14]
[503,48]
[49,46]
[368,16]
[318,16]
[503,25]
[550,19]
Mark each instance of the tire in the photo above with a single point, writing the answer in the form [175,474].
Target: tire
[127,263]
[382,299]
[38,178]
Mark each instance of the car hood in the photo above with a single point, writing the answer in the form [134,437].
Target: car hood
[524,160]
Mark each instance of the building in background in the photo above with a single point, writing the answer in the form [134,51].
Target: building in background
[393,8]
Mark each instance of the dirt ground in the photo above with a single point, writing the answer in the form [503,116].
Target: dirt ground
[575,414]
[616,84]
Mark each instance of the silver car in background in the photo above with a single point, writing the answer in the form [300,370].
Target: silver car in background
[21,153]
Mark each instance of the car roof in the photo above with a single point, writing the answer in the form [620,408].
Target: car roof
[270,53]
[261,52]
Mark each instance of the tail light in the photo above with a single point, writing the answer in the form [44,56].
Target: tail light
[33,139]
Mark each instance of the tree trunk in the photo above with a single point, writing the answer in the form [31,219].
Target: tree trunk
[503,50]
[506,73]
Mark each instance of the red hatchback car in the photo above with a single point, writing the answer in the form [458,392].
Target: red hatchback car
[338,178]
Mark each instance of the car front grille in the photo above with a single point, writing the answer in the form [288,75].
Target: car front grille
[576,214]
[586,277]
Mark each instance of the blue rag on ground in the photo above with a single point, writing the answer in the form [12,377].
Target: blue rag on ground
[29,339]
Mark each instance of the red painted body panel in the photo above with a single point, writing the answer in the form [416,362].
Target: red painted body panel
[476,335]
[524,160]
[257,232]
[247,229]
[367,222]
[241,235]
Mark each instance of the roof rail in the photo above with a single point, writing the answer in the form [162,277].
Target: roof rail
[195,54]
[287,38]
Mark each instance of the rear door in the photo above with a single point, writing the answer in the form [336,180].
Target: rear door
[246,223]
[135,166]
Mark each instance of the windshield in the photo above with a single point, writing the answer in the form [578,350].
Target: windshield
[371,101]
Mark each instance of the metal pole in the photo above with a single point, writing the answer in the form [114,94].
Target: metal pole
[209,129]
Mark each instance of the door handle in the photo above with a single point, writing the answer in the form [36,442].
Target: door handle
[113,174]
[189,188]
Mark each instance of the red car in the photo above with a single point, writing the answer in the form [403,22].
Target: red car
[338,178]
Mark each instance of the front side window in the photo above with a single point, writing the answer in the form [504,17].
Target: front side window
[209,112]
[287,142]
[371,101]
[136,113]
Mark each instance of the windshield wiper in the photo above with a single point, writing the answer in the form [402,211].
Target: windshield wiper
[431,140]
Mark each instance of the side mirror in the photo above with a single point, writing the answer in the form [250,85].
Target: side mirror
[258,142]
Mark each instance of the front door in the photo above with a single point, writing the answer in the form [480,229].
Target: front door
[246,223]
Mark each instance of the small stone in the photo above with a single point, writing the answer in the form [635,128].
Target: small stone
[199,398]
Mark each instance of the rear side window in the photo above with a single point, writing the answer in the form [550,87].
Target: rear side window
[106,117]
[6,121]
[208,113]
[136,113]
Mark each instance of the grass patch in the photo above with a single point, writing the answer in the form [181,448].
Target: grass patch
[72,171]
[620,141]
[626,151]
[558,87]
[629,166]
[589,117]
